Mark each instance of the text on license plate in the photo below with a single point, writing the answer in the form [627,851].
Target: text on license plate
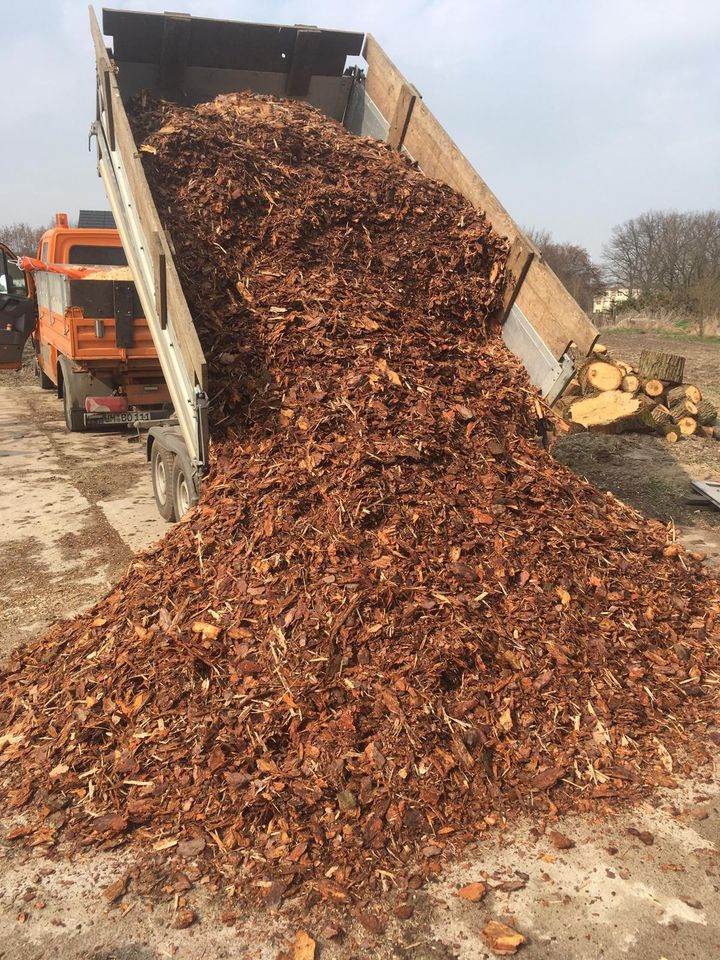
[130,417]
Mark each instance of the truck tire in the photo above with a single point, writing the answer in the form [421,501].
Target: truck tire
[161,466]
[184,492]
[44,381]
[74,418]
[74,412]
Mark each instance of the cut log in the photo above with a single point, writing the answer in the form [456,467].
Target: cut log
[706,413]
[643,420]
[654,388]
[661,366]
[683,408]
[630,383]
[562,406]
[610,406]
[672,434]
[688,390]
[660,415]
[687,426]
[600,348]
[573,389]
[625,367]
[600,375]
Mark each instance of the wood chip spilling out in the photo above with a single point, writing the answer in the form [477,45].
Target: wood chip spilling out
[393,620]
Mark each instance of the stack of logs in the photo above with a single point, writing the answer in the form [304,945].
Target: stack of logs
[612,396]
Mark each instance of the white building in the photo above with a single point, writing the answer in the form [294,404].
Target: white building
[608,300]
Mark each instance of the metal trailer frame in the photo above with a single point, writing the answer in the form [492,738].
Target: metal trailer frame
[193,59]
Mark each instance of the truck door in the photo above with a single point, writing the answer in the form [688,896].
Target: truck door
[17,310]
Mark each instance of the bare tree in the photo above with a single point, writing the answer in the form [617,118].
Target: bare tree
[539,236]
[572,264]
[22,238]
[665,254]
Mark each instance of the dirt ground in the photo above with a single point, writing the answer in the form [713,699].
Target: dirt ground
[645,471]
[74,508]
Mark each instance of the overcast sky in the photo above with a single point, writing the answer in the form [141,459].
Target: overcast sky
[578,113]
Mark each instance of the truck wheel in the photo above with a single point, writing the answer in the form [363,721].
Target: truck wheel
[161,466]
[44,381]
[74,418]
[183,488]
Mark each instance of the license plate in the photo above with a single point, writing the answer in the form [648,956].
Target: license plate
[132,416]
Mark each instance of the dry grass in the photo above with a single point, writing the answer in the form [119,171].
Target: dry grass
[673,322]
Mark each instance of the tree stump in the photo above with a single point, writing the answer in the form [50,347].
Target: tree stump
[661,366]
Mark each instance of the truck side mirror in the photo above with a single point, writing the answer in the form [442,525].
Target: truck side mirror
[12,279]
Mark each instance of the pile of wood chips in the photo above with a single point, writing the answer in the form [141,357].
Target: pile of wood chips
[392,620]
[612,396]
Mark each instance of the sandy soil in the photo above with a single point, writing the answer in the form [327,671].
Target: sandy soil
[73,508]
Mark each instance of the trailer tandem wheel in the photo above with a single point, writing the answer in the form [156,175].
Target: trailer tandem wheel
[184,491]
[161,466]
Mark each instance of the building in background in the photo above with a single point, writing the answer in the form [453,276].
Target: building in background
[609,299]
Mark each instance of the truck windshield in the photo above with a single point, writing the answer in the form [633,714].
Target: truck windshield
[81,254]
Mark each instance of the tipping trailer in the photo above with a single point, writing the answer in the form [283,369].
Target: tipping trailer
[190,60]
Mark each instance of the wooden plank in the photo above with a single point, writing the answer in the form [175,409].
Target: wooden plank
[543,299]
[553,311]
[401,116]
[384,81]
[173,53]
[516,268]
[304,55]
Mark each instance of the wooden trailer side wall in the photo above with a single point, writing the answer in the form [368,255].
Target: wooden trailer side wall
[539,294]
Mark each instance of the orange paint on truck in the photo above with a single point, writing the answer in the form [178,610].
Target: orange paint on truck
[90,343]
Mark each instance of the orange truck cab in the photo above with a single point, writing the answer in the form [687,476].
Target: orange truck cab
[92,343]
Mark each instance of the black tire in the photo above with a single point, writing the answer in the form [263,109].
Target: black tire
[74,418]
[183,488]
[44,381]
[162,462]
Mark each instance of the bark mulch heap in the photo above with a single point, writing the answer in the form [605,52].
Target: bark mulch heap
[392,619]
